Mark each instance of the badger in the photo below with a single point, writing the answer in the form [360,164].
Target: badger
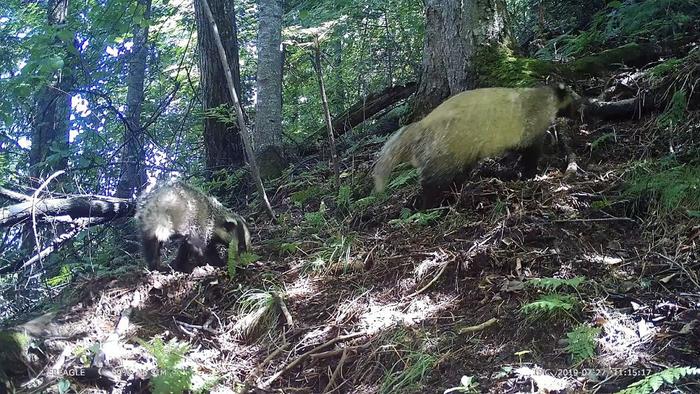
[177,210]
[473,125]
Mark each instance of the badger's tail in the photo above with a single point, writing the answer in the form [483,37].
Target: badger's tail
[395,151]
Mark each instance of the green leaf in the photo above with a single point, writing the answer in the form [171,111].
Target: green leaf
[63,386]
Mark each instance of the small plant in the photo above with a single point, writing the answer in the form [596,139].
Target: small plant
[316,220]
[258,313]
[415,367]
[289,247]
[403,178]
[672,184]
[602,140]
[580,343]
[344,197]
[549,305]
[173,378]
[418,218]
[468,384]
[675,110]
[299,198]
[653,383]
[552,284]
[333,254]
[62,278]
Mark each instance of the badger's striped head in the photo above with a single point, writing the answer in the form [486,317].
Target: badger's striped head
[234,227]
[568,102]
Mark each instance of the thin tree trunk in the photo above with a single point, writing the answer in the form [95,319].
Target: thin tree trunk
[222,141]
[239,110]
[133,173]
[326,111]
[456,32]
[267,134]
[52,114]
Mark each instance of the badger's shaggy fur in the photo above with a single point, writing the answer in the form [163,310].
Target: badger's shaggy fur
[470,126]
[178,210]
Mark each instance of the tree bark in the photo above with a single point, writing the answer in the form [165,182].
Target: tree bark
[222,142]
[52,114]
[267,135]
[133,172]
[456,32]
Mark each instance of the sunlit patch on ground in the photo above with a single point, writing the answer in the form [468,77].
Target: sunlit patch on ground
[382,316]
[623,341]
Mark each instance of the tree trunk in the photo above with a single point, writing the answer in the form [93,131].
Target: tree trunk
[456,32]
[267,135]
[133,173]
[222,142]
[52,114]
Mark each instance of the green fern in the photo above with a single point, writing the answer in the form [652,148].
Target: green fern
[580,343]
[673,185]
[405,177]
[552,284]
[172,377]
[653,382]
[549,305]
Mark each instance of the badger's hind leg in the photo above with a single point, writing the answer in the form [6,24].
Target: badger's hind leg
[151,251]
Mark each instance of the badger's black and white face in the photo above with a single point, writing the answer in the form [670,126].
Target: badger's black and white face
[233,228]
[568,101]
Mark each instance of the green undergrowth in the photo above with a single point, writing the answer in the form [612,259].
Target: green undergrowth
[671,185]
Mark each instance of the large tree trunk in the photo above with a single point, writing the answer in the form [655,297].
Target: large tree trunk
[267,135]
[133,172]
[52,113]
[222,142]
[456,32]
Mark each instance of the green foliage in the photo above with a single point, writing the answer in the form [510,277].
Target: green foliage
[419,218]
[172,378]
[653,383]
[301,197]
[623,22]
[553,284]
[332,254]
[580,343]
[289,247]
[344,197]
[63,386]
[550,305]
[315,220]
[675,110]
[602,140]
[404,178]
[674,186]
[665,68]
[258,313]
[406,376]
[63,277]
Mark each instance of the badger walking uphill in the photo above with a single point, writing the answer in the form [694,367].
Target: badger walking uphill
[470,126]
[178,210]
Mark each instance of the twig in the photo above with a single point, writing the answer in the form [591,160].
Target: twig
[285,312]
[196,327]
[310,352]
[336,372]
[333,353]
[247,383]
[34,198]
[593,220]
[424,288]
[488,323]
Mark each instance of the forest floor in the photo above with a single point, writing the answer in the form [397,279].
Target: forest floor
[369,297]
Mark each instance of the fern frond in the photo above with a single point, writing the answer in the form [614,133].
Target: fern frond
[653,383]
[552,284]
[581,343]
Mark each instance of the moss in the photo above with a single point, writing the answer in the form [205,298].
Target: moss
[498,66]
[13,351]
[599,63]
